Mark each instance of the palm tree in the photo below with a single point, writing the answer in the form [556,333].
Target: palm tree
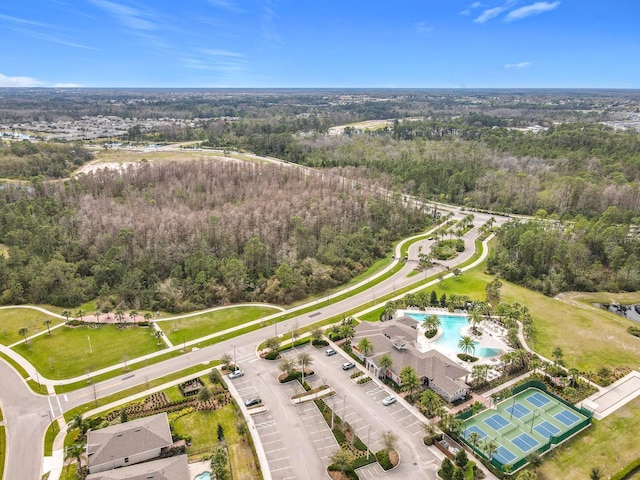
[74,452]
[48,323]
[557,355]
[119,314]
[596,474]
[431,324]
[474,319]
[78,422]
[473,439]
[385,362]
[430,401]
[81,313]
[97,315]
[347,332]
[133,314]
[409,380]
[365,347]
[158,334]
[389,309]
[23,333]
[148,316]
[467,345]
[316,334]
[489,449]
[66,314]
[304,359]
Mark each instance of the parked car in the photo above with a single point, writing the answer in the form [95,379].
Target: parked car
[330,352]
[236,373]
[253,401]
[348,365]
[389,400]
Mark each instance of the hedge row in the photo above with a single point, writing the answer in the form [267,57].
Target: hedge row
[627,471]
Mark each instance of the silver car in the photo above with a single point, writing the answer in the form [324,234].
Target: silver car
[389,400]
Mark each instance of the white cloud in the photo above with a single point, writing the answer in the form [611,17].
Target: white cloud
[128,16]
[6,81]
[490,13]
[518,66]
[228,5]
[221,53]
[22,21]
[67,85]
[423,27]
[529,10]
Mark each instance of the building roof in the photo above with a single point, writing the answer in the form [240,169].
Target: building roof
[128,439]
[396,338]
[171,468]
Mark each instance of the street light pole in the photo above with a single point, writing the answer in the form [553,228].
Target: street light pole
[344,408]
[368,443]
[90,349]
[235,366]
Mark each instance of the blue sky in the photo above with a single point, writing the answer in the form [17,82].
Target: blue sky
[321,43]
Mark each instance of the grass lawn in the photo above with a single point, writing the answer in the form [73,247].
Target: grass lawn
[609,444]
[13,319]
[202,427]
[604,340]
[191,328]
[65,353]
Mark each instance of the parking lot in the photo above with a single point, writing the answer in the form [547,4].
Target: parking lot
[290,433]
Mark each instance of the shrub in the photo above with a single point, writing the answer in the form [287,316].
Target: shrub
[627,471]
[272,356]
[363,380]
[467,358]
[383,459]
[633,330]
[359,444]
[340,436]
[320,343]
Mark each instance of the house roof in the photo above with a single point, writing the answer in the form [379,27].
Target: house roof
[172,468]
[128,439]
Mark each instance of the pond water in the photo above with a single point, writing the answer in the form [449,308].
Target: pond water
[632,312]
[203,476]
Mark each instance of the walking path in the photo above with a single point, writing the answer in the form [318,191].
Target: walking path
[611,398]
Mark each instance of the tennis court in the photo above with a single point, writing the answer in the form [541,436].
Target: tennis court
[530,421]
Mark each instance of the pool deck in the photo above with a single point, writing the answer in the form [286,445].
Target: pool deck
[196,468]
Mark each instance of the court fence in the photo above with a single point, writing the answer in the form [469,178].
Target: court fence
[552,442]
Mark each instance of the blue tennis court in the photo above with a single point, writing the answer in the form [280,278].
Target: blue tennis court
[474,428]
[567,417]
[546,429]
[504,456]
[496,421]
[524,442]
[538,400]
[518,410]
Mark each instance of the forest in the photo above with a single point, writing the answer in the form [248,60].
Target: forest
[184,236]
[163,237]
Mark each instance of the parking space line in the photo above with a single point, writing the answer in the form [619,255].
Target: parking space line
[267,434]
[276,450]
[283,468]
[412,424]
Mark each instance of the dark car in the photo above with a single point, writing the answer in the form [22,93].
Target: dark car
[348,365]
[253,401]
[330,352]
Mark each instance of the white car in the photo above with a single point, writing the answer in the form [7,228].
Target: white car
[389,400]
[330,352]
[236,374]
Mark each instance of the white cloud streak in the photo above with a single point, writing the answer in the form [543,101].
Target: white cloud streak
[130,17]
[518,66]
[488,14]
[22,21]
[530,10]
[227,5]
[423,27]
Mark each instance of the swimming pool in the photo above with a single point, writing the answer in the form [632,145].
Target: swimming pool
[448,341]
[203,476]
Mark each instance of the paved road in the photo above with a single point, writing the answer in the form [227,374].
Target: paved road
[27,414]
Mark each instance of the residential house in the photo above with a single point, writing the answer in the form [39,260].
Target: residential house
[128,443]
[170,468]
